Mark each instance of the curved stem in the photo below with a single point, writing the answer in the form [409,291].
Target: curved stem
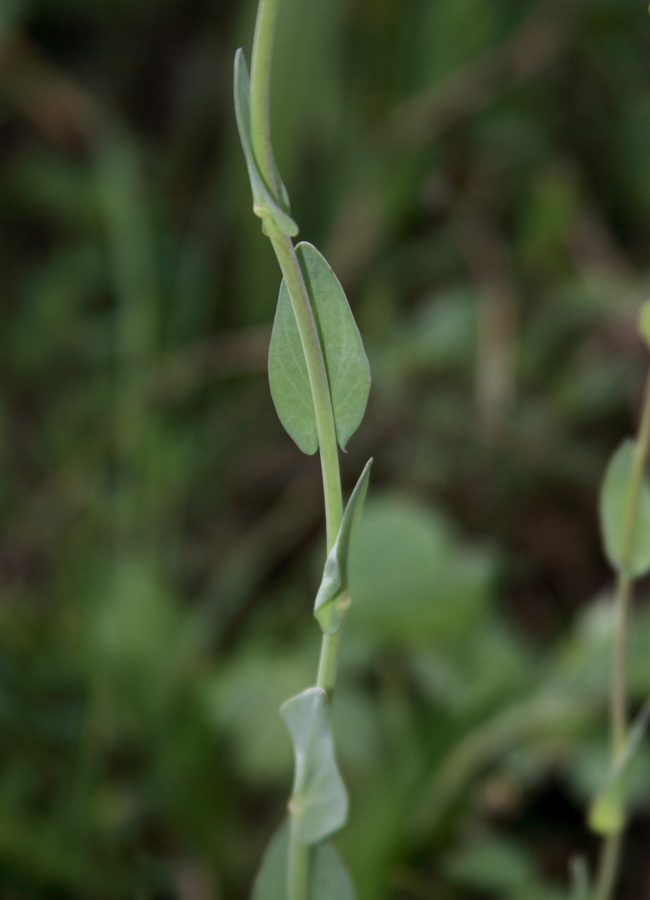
[262,59]
[610,857]
[298,878]
[261,64]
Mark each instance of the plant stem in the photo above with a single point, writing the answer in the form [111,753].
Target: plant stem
[610,857]
[261,64]
[298,878]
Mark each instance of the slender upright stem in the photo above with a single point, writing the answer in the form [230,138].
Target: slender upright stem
[261,64]
[262,59]
[298,868]
[610,858]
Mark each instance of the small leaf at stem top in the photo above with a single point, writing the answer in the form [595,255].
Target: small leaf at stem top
[333,592]
[607,812]
[264,203]
[615,499]
[319,802]
[348,372]
[328,879]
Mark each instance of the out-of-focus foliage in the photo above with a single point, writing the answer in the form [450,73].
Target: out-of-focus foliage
[477,174]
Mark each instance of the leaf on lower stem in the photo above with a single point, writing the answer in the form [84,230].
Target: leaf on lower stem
[614,503]
[333,592]
[328,879]
[264,203]
[607,812]
[319,801]
[348,372]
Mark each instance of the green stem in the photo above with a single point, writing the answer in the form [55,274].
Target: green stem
[298,879]
[262,59]
[610,857]
[261,64]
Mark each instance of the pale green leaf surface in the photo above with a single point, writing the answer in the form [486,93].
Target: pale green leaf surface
[333,592]
[327,876]
[289,379]
[607,812]
[413,581]
[263,201]
[614,500]
[319,802]
[346,363]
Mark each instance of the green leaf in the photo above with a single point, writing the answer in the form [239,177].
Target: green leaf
[319,802]
[413,580]
[644,322]
[614,502]
[333,596]
[347,366]
[607,812]
[328,879]
[264,204]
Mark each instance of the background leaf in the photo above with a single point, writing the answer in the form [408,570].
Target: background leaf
[347,366]
[319,802]
[614,499]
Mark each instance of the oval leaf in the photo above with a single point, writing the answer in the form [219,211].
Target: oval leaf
[347,366]
[328,879]
[614,502]
[607,812]
[319,802]
[264,204]
[333,595]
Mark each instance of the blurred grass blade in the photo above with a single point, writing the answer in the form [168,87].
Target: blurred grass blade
[579,878]
[347,366]
[328,878]
[607,812]
[319,802]
[263,201]
[614,502]
[644,322]
[333,592]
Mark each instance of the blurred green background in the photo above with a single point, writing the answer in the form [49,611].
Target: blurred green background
[478,174]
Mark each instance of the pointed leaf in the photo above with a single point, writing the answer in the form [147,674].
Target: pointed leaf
[319,802]
[333,596]
[347,366]
[607,812]
[614,502]
[264,204]
[328,879]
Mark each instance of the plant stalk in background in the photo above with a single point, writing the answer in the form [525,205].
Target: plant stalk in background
[320,379]
[625,522]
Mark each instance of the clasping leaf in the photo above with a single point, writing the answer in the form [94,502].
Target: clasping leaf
[348,372]
[607,812]
[264,203]
[615,499]
[333,594]
[328,879]
[319,802]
